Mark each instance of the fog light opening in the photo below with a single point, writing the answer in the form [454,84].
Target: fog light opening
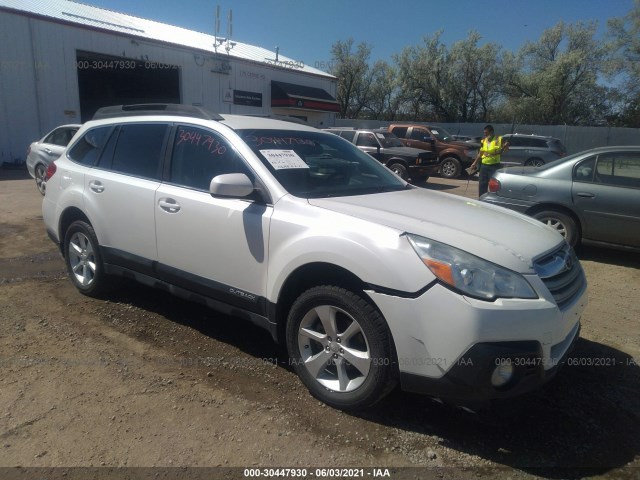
[502,374]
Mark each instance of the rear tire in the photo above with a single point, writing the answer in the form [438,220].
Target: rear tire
[450,168]
[84,261]
[340,347]
[562,223]
[40,172]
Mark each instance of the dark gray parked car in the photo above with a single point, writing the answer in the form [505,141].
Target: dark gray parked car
[406,162]
[592,196]
[532,150]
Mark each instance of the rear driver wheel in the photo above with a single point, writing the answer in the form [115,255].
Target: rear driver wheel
[84,261]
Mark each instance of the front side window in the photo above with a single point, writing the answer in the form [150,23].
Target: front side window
[87,149]
[199,155]
[312,164]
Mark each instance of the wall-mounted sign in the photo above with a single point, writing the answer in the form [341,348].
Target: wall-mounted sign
[227,96]
[221,66]
[248,99]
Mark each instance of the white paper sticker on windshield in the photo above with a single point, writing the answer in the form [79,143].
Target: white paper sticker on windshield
[283,159]
[434,132]
[380,135]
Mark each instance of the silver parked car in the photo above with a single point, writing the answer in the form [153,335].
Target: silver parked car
[42,152]
[592,196]
[532,150]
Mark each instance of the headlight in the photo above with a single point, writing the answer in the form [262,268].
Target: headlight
[470,274]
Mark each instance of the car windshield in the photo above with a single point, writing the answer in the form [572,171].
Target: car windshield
[315,164]
[441,134]
[389,140]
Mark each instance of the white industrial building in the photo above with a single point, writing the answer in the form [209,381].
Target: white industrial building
[61,60]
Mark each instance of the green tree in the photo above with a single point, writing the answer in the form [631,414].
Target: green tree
[460,83]
[625,33]
[383,101]
[556,78]
[354,76]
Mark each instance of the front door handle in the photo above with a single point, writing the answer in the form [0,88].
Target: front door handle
[585,194]
[169,205]
[96,186]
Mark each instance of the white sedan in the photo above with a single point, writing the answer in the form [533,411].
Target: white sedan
[42,152]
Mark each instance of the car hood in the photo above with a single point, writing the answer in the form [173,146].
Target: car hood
[498,235]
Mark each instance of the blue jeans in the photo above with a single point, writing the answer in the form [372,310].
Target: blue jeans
[486,172]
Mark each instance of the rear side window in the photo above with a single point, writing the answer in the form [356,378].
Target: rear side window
[348,135]
[61,136]
[619,168]
[87,149]
[199,155]
[139,148]
[400,132]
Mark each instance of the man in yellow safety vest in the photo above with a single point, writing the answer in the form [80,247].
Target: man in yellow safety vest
[491,148]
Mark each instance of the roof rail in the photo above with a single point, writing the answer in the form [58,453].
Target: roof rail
[276,116]
[156,109]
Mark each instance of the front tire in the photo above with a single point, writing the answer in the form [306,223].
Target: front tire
[561,223]
[450,168]
[40,172]
[340,347]
[400,170]
[84,261]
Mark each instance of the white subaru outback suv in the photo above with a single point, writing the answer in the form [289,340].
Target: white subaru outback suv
[368,280]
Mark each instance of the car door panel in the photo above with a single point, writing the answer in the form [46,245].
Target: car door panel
[216,246]
[609,204]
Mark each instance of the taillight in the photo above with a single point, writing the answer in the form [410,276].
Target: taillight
[494,185]
[51,169]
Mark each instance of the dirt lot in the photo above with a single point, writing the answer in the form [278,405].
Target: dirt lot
[147,380]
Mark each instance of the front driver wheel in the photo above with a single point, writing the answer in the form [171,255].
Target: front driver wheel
[340,347]
[561,223]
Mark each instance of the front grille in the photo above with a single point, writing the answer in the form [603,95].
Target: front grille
[562,274]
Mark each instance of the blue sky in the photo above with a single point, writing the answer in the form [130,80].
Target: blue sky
[305,29]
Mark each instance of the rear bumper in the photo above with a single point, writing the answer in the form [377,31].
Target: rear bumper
[521,206]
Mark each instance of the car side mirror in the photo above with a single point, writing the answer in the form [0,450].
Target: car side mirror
[234,185]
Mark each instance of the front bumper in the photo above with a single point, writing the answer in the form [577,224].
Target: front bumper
[449,345]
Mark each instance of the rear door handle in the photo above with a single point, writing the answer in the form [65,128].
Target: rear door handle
[48,150]
[96,186]
[585,194]
[169,205]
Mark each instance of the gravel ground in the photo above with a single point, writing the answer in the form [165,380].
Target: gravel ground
[147,380]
